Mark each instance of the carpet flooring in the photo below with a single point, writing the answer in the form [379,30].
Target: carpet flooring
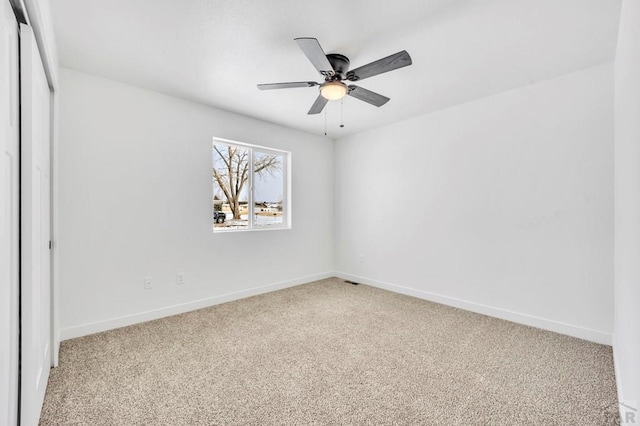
[331,353]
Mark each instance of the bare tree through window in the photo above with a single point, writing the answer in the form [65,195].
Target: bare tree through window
[231,178]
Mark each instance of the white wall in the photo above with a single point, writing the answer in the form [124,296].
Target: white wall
[503,205]
[627,204]
[135,201]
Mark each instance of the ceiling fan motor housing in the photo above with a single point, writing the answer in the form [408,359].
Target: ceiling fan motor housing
[340,64]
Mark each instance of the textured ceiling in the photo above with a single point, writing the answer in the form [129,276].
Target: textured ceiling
[215,52]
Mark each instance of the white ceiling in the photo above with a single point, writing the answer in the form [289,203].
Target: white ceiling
[216,51]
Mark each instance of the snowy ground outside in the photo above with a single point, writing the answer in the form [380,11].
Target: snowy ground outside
[259,221]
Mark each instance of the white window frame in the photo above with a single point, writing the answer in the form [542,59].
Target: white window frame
[286,199]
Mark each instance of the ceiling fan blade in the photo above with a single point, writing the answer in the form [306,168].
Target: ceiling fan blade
[312,49]
[271,86]
[318,105]
[368,96]
[390,63]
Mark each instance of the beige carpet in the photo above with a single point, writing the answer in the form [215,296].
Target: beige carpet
[330,353]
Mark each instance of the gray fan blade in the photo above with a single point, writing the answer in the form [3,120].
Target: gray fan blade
[318,105]
[291,85]
[368,96]
[314,52]
[390,63]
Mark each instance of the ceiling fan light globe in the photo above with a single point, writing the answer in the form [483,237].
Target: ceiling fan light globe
[333,90]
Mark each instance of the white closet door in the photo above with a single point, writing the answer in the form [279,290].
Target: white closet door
[9,223]
[35,229]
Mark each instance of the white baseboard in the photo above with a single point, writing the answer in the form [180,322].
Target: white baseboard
[123,321]
[55,356]
[530,320]
[624,405]
[616,369]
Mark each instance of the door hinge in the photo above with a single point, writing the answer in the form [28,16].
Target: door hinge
[49,244]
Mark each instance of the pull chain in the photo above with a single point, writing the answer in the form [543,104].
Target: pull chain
[325,122]
[341,112]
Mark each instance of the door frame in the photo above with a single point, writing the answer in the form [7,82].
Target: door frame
[10,191]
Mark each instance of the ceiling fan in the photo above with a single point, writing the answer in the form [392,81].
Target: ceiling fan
[334,67]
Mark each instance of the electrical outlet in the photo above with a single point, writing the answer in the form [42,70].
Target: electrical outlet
[148,283]
[180,278]
[361,258]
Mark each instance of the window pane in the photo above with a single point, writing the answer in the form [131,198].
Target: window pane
[230,187]
[268,189]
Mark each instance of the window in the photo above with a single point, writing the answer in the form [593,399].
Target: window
[250,187]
